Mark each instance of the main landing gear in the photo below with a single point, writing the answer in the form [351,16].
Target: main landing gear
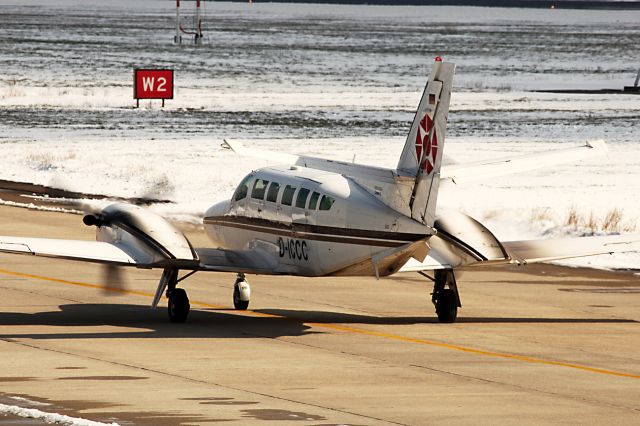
[178,305]
[445,295]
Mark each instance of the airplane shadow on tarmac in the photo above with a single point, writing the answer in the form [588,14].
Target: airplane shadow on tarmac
[343,318]
[146,323]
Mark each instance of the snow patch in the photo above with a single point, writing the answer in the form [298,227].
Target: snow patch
[34,413]
[28,401]
[33,206]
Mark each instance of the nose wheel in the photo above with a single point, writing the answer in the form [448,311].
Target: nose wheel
[241,293]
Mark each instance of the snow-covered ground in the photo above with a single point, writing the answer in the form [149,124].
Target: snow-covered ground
[334,81]
[46,417]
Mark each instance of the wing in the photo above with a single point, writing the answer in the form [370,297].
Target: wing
[447,254]
[129,235]
[469,172]
[442,254]
[535,251]
[245,261]
[207,259]
[87,251]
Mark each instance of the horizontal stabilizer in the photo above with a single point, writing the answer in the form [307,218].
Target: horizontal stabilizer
[380,174]
[243,151]
[458,173]
[469,172]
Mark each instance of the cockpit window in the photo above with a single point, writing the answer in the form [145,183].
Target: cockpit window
[287,195]
[259,189]
[313,201]
[326,202]
[243,189]
[272,193]
[301,200]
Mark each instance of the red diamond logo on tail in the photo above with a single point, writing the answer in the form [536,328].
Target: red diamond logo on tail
[426,146]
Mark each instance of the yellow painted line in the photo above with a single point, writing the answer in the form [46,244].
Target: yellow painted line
[522,358]
[346,329]
[103,288]
[76,283]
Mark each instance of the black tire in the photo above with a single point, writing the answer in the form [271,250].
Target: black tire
[240,305]
[178,305]
[447,306]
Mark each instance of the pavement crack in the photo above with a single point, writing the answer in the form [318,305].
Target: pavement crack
[201,381]
[458,375]
[525,388]
[35,293]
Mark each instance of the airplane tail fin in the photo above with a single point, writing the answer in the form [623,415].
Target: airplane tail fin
[422,153]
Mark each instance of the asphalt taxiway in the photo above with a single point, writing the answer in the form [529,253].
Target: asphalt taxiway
[535,345]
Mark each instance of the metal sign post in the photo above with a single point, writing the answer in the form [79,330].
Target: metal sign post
[197,26]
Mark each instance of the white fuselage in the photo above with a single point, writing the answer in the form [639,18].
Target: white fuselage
[309,222]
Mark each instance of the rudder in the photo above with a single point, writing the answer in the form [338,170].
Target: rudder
[422,153]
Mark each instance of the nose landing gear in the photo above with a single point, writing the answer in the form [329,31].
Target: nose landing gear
[241,293]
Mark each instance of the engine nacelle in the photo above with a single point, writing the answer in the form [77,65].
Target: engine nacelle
[470,235]
[147,237]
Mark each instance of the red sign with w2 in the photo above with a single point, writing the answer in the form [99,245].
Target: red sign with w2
[152,84]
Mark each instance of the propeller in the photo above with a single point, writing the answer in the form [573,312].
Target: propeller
[113,280]
[459,274]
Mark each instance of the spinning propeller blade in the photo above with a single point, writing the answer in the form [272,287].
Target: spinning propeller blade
[113,281]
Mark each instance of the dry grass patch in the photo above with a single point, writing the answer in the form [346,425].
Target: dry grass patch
[611,222]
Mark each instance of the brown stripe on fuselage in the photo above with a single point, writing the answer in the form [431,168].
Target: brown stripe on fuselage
[316,232]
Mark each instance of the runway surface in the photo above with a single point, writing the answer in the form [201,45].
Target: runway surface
[543,344]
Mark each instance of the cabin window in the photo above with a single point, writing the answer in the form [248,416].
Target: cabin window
[287,195]
[242,190]
[259,189]
[301,200]
[272,193]
[313,201]
[326,202]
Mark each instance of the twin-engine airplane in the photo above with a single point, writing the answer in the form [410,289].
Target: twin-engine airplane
[316,217]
